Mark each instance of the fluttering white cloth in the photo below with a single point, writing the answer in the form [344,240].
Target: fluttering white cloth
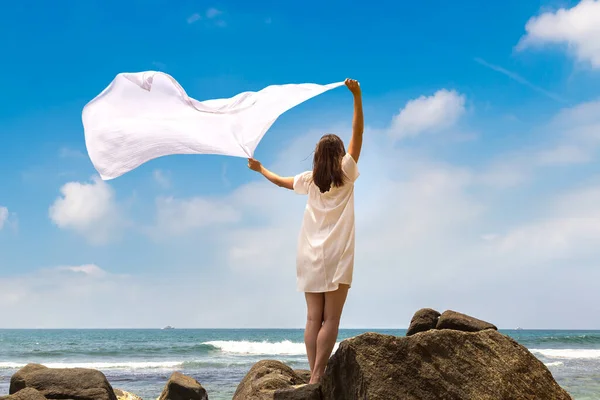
[145,115]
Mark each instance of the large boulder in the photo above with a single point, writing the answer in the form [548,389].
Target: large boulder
[461,322]
[437,364]
[25,394]
[423,320]
[183,387]
[63,383]
[17,381]
[270,380]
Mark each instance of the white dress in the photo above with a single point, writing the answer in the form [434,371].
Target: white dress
[325,255]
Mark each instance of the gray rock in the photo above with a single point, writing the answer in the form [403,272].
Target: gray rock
[423,320]
[270,379]
[25,394]
[304,374]
[462,322]
[183,387]
[437,364]
[63,383]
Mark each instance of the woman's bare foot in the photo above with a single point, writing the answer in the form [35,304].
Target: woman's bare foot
[315,379]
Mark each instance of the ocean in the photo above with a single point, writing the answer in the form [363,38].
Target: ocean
[140,361]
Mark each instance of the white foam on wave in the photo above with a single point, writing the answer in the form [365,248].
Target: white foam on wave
[244,347]
[553,364]
[569,353]
[103,365]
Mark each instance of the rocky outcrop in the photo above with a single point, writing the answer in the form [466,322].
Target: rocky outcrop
[462,322]
[63,383]
[183,387]
[25,394]
[304,374]
[423,320]
[269,380]
[437,364]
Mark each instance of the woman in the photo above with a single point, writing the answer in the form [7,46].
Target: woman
[325,257]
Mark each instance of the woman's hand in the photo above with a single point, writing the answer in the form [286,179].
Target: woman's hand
[353,85]
[254,165]
[287,182]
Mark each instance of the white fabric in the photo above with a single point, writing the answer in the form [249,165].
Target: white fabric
[325,256]
[144,115]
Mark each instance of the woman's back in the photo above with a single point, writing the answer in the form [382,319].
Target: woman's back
[326,241]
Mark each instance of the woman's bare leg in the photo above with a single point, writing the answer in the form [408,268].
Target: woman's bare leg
[314,319]
[334,304]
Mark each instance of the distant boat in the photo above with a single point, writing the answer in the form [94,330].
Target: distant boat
[519,328]
[168,327]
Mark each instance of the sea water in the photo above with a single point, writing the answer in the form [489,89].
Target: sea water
[140,361]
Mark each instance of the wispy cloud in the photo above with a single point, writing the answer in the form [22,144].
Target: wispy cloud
[66,152]
[210,14]
[3,216]
[518,78]
[193,18]
[213,12]
[162,178]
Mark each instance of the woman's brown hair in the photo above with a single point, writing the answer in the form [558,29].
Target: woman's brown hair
[327,163]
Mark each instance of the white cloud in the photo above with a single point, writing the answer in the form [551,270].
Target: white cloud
[194,18]
[428,114]
[210,14]
[8,220]
[66,152]
[564,154]
[178,216]
[570,228]
[89,209]
[162,178]
[88,269]
[3,216]
[213,12]
[578,28]
[31,300]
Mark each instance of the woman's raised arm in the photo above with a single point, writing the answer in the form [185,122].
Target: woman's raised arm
[358,123]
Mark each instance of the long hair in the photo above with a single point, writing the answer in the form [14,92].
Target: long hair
[327,163]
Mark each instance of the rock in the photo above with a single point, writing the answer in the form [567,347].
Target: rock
[461,322]
[304,374]
[182,387]
[269,380]
[304,392]
[63,383]
[25,394]
[423,320]
[123,395]
[437,364]
[17,381]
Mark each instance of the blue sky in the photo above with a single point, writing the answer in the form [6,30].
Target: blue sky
[479,189]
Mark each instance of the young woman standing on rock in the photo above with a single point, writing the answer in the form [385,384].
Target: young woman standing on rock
[325,258]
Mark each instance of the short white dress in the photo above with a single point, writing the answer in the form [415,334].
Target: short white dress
[325,256]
